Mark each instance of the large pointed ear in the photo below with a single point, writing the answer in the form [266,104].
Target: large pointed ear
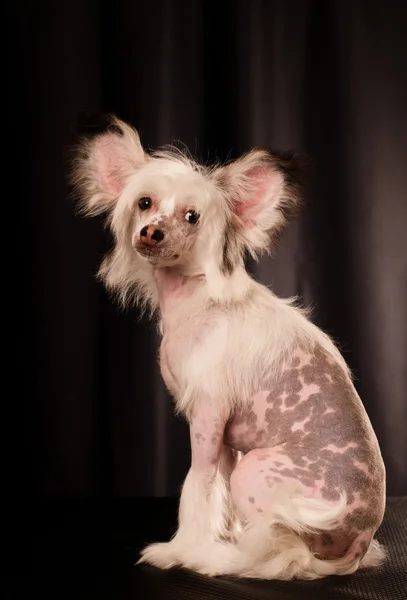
[108,153]
[263,190]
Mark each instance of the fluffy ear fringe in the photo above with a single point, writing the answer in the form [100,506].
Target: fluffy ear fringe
[107,151]
[264,190]
[130,280]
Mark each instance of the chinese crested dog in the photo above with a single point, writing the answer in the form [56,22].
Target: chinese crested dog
[286,478]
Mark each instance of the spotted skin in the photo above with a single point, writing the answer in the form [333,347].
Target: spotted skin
[311,431]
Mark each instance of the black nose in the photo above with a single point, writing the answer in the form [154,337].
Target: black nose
[150,234]
[158,235]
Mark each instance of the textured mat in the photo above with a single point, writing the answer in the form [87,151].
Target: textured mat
[85,550]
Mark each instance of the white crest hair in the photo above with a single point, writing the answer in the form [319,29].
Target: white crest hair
[104,171]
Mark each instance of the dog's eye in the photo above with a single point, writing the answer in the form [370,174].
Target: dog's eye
[192,217]
[144,203]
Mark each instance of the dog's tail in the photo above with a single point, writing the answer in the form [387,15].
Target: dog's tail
[275,545]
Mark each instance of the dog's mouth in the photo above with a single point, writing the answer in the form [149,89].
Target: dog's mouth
[156,253]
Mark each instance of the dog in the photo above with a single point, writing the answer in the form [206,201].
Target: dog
[286,479]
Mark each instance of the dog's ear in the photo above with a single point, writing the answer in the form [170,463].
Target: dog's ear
[108,152]
[263,189]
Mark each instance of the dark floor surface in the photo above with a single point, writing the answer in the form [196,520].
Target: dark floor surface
[86,550]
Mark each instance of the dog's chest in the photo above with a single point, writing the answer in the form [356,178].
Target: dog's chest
[177,346]
[172,351]
[182,324]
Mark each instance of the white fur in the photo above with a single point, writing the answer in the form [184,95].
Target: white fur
[250,321]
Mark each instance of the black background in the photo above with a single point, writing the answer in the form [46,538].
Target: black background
[329,78]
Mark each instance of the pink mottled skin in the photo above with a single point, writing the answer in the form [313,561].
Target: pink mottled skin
[309,430]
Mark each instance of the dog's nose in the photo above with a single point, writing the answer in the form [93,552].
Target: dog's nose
[151,235]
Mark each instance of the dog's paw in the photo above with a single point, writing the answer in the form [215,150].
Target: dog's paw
[212,559]
[161,555]
[209,572]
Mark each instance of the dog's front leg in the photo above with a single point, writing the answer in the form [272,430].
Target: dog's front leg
[205,512]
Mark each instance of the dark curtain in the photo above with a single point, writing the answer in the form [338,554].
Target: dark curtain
[325,77]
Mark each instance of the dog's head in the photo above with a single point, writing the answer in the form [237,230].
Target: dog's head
[165,209]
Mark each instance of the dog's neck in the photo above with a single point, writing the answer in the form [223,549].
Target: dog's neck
[177,294]
[173,284]
[176,288]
